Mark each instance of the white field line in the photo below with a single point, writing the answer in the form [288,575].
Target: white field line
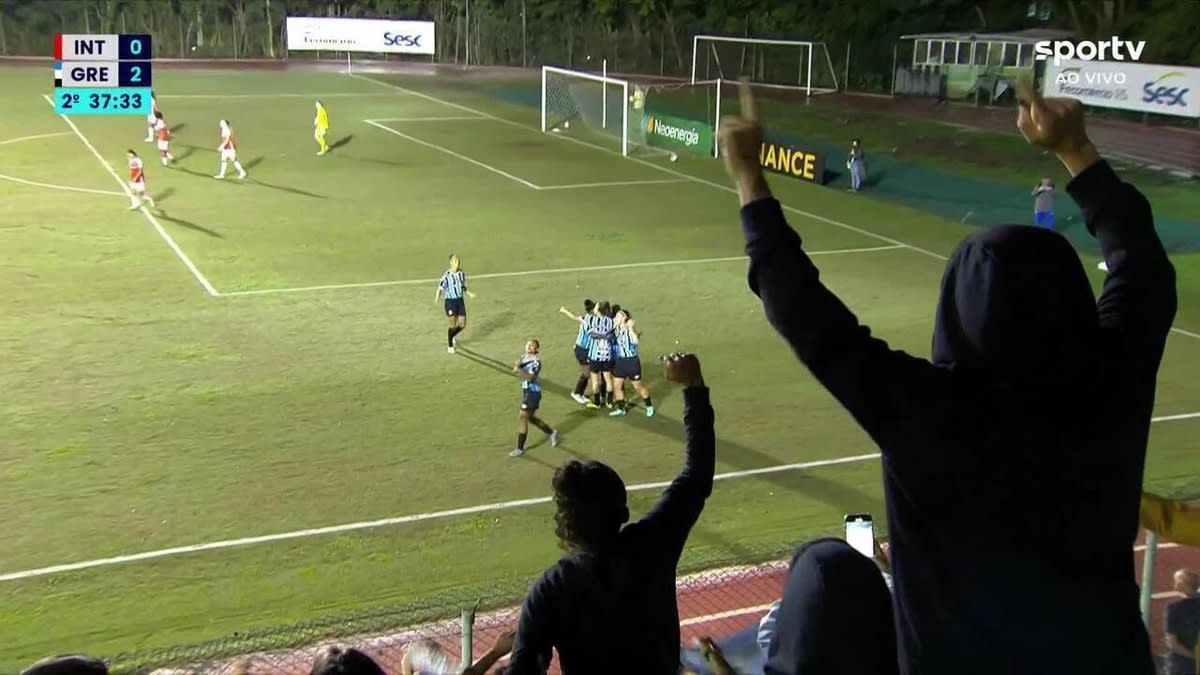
[685,176]
[187,262]
[484,165]
[1161,545]
[20,139]
[729,614]
[432,515]
[526,273]
[452,118]
[386,522]
[578,186]
[52,186]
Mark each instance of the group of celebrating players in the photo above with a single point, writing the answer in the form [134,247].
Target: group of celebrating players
[226,149]
[606,349]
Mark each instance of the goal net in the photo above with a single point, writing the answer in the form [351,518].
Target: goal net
[786,64]
[643,118]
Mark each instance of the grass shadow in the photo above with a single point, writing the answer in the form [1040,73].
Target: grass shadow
[162,215]
[737,455]
[493,323]
[164,195]
[253,163]
[179,127]
[341,142]
[188,151]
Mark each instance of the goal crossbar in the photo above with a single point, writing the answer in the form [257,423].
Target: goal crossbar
[809,49]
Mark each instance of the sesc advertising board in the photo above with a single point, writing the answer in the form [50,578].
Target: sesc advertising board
[360,35]
[1140,87]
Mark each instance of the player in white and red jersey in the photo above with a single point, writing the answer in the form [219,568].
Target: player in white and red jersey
[137,182]
[152,118]
[164,138]
[228,150]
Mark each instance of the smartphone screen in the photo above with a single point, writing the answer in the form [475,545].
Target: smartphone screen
[860,533]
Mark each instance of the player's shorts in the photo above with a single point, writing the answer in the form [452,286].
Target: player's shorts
[319,132]
[600,366]
[427,656]
[581,355]
[228,154]
[628,368]
[138,186]
[1044,219]
[530,401]
[456,307]
[162,145]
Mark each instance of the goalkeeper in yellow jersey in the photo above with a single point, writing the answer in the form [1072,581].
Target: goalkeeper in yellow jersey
[320,127]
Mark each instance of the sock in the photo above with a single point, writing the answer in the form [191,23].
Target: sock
[222,171]
[649,403]
[238,165]
[603,388]
[581,385]
[450,337]
[521,441]
[543,426]
[608,398]
[596,398]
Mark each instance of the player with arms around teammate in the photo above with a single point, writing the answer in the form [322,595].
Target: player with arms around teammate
[137,182]
[582,340]
[152,118]
[320,128]
[454,285]
[529,366]
[600,352]
[627,366]
[228,151]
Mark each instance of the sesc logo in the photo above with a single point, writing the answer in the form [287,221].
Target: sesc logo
[394,40]
[1157,93]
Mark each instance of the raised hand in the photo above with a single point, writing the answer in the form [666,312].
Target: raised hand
[741,142]
[1056,124]
[683,369]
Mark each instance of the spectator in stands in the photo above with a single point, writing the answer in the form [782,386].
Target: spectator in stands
[1043,203]
[337,660]
[426,657]
[74,664]
[1012,463]
[611,599]
[1183,625]
[856,162]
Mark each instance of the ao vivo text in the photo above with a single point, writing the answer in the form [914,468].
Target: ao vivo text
[394,40]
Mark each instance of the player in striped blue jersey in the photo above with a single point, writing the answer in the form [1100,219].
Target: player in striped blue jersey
[582,340]
[600,353]
[627,366]
[453,285]
[529,366]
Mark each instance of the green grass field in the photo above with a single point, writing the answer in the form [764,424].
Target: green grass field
[143,413]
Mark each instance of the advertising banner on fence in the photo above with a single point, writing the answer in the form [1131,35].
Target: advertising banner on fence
[664,131]
[807,165]
[1140,87]
[359,35]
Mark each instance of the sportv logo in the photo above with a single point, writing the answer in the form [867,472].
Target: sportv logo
[688,137]
[1114,49]
[1156,92]
[394,40]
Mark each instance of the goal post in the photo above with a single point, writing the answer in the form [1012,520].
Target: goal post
[801,65]
[599,101]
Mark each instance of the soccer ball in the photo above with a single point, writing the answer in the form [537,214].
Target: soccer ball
[566,125]
[674,157]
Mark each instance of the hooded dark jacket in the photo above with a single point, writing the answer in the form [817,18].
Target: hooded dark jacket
[1012,464]
[835,617]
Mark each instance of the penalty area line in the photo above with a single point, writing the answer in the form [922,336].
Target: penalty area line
[52,186]
[615,183]
[556,270]
[482,165]
[187,262]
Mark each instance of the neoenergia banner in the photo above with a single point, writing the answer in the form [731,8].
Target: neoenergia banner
[1140,87]
[359,35]
[677,132]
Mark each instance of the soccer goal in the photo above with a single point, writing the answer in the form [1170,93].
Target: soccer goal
[636,114]
[786,64]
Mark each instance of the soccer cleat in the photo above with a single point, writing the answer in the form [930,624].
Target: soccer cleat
[242,176]
[554,438]
[516,453]
[1103,266]
[591,405]
[449,350]
[579,398]
[135,207]
[219,176]
[649,411]
[619,412]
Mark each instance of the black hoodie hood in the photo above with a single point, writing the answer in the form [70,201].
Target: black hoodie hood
[835,617]
[1016,306]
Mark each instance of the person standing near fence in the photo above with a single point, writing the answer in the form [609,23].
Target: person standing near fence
[1043,203]
[857,163]
[1013,459]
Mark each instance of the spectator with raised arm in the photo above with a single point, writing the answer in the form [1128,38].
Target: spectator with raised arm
[611,598]
[1012,462]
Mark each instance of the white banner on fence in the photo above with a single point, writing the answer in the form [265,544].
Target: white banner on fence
[359,35]
[1141,87]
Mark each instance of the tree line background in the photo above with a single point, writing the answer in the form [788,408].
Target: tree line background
[643,36]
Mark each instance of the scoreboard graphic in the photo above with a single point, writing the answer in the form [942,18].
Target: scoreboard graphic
[102,74]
